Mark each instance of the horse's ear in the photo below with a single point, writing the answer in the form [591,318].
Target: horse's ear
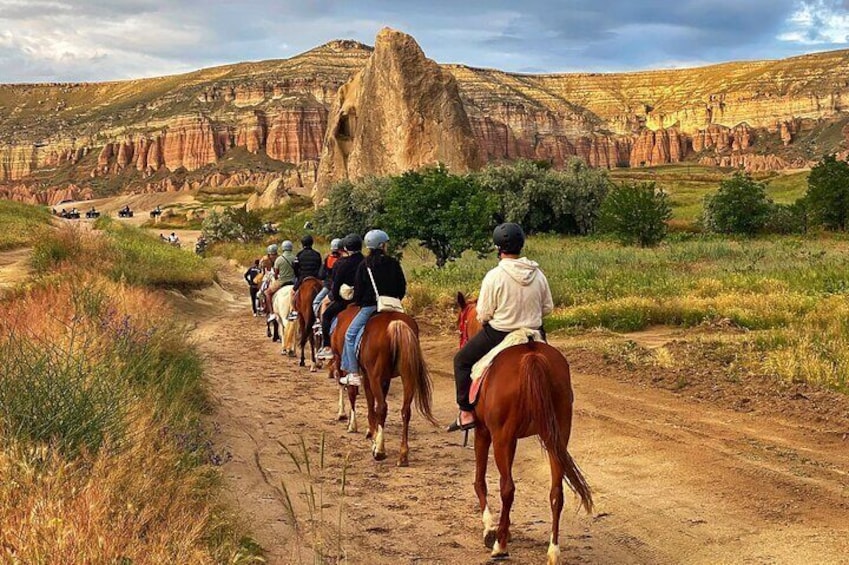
[461,300]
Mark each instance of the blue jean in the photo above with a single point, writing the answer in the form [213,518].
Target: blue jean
[350,364]
[316,304]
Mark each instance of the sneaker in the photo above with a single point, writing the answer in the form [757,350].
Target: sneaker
[271,318]
[293,316]
[325,354]
[351,379]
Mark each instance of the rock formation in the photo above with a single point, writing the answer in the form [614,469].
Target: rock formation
[401,112]
[278,118]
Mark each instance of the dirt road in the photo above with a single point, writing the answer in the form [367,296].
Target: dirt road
[675,481]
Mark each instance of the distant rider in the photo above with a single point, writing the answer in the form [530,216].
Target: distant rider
[284,271]
[514,295]
[390,281]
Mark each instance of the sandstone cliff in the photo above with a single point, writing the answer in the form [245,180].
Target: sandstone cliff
[401,112]
[253,119]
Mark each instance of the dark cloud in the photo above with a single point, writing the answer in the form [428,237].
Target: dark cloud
[108,39]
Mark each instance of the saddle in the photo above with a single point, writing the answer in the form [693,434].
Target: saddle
[479,370]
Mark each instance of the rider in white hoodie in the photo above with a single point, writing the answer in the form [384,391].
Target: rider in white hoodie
[513,295]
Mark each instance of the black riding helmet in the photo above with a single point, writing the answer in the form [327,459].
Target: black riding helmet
[307,241]
[509,238]
[352,242]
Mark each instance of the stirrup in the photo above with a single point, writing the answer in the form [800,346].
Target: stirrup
[456,426]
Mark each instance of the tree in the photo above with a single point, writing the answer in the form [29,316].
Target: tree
[740,206]
[828,193]
[448,214]
[352,207]
[233,224]
[636,213]
[530,193]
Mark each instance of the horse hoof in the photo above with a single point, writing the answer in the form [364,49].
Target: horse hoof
[499,554]
[369,435]
[489,538]
[403,463]
[302,364]
[342,418]
[379,456]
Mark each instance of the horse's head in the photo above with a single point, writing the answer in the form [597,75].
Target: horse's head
[467,321]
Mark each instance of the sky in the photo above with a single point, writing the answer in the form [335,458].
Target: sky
[93,40]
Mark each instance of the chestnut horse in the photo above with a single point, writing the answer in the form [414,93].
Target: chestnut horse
[527,391]
[337,343]
[302,304]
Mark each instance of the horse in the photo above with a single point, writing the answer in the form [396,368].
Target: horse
[390,348]
[302,304]
[281,305]
[337,344]
[526,391]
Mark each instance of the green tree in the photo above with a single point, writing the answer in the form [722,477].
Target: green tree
[636,213]
[828,193]
[740,206]
[352,207]
[530,193]
[233,224]
[446,213]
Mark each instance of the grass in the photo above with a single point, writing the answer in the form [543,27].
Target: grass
[103,453]
[125,254]
[21,223]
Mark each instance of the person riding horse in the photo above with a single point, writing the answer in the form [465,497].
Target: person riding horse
[284,270]
[377,270]
[325,274]
[513,295]
[344,275]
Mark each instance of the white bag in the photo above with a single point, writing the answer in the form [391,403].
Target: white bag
[346,291]
[385,303]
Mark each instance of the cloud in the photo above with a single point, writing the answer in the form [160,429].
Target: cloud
[50,40]
[818,22]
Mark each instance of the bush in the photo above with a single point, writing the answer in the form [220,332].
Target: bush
[828,193]
[353,207]
[233,224]
[740,206]
[636,213]
[20,223]
[545,200]
[448,214]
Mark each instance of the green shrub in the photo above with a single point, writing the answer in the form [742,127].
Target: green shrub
[353,207]
[828,193]
[233,224]
[740,206]
[447,214]
[636,213]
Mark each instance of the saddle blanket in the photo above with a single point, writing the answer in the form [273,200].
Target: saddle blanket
[516,337]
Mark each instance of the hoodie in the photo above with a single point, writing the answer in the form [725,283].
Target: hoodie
[514,295]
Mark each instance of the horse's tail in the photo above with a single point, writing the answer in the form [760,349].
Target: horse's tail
[409,361]
[538,397]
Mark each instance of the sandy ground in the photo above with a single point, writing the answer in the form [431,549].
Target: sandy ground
[675,481]
[14,267]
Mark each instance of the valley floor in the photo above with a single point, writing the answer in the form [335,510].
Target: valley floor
[675,480]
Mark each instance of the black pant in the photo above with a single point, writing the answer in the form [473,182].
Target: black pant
[327,320]
[254,291]
[479,345]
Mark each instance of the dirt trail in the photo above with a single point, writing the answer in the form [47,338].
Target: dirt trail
[675,481]
[14,267]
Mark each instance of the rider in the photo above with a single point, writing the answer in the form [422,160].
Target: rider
[284,270]
[386,274]
[326,275]
[513,295]
[251,278]
[307,262]
[344,273]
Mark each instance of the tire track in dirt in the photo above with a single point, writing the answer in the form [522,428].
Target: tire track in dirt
[675,481]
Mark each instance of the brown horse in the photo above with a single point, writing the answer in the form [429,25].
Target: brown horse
[527,392]
[390,348]
[302,304]
[337,343]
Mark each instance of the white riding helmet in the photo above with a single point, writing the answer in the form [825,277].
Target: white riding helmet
[336,244]
[376,238]
[271,249]
[287,246]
